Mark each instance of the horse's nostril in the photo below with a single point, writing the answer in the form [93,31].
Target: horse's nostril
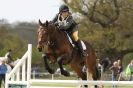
[39,49]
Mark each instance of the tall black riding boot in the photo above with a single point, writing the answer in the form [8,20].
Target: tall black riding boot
[80,47]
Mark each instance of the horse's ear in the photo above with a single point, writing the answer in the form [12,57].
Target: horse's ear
[46,23]
[40,23]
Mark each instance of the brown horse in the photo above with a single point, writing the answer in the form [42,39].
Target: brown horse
[61,50]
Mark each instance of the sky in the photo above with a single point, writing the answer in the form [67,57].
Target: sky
[28,10]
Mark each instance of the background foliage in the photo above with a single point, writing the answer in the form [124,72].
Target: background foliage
[17,36]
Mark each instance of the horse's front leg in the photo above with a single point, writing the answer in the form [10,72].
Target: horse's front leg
[63,71]
[47,67]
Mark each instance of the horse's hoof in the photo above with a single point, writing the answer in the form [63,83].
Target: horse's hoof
[40,49]
[51,71]
[65,73]
[96,86]
[84,86]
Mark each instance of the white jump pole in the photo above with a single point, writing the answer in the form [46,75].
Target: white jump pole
[29,65]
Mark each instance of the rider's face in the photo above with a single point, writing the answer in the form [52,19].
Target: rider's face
[64,14]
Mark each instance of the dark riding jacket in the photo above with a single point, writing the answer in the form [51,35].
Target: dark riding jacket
[68,24]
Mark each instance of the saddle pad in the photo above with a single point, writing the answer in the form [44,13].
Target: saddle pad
[83,45]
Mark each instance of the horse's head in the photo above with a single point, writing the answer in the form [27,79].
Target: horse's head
[42,33]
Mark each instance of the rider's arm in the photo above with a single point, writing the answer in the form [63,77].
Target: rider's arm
[68,24]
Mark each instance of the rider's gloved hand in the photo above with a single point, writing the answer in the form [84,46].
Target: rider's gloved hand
[56,24]
[61,23]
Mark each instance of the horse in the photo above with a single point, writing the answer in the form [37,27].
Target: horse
[61,51]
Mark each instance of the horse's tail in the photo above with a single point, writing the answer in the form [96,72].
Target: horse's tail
[98,74]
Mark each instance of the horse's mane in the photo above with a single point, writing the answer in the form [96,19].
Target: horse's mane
[59,35]
[57,31]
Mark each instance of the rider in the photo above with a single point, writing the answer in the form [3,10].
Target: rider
[66,23]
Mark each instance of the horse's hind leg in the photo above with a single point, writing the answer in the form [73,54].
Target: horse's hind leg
[95,74]
[78,70]
[80,73]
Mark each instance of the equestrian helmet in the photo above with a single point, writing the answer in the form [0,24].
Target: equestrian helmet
[63,8]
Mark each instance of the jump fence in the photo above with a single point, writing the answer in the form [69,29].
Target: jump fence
[21,75]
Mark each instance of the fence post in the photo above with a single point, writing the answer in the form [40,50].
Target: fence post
[29,65]
[6,80]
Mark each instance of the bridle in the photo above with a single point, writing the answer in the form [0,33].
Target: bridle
[44,35]
[41,35]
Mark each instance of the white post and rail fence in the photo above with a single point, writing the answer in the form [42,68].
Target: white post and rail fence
[21,75]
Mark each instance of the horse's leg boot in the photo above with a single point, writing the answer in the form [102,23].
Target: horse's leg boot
[63,72]
[50,70]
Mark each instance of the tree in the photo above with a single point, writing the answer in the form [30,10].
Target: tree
[103,12]
[9,40]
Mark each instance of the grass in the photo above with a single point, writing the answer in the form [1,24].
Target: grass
[75,86]
[69,85]
[54,85]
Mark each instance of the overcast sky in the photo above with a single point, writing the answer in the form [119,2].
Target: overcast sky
[28,10]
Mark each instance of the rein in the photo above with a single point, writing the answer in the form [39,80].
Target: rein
[49,41]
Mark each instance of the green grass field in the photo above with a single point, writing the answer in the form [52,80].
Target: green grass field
[72,85]
[62,85]
[75,86]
